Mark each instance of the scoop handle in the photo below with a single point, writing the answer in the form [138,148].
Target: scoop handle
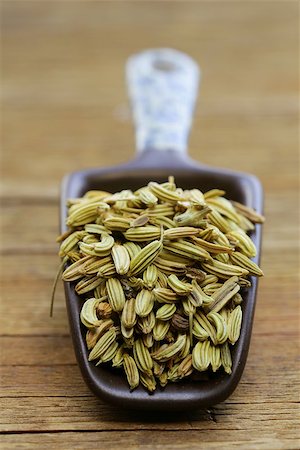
[162,86]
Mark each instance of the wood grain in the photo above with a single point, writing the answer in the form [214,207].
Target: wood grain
[65,108]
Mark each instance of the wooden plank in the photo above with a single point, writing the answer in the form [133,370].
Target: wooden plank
[36,350]
[229,147]
[195,21]
[26,288]
[189,440]
[65,108]
[58,414]
[72,119]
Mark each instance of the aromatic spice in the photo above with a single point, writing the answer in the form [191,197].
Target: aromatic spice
[161,270]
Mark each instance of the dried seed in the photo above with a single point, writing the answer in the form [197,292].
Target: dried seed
[132,248]
[164,295]
[213,193]
[146,324]
[148,381]
[117,360]
[222,295]
[166,312]
[84,213]
[140,221]
[127,333]
[142,357]
[96,229]
[166,353]
[131,371]
[243,242]
[163,379]
[166,222]
[198,296]
[100,291]
[164,210]
[209,289]
[147,197]
[185,368]
[199,332]
[223,270]
[94,334]
[197,197]
[117,223]
[221,327]
[103,248]
[172,257]
[150,276]
[208,280]
[226,358]
[248,212]
[187,250]
[223,257]
[146,257]
[89,249]
[158,368]
[180,323]
[173,373]
[193,216]
[148,340]
[234,324]
[180,232]
[128,317]
[103,344]
[163,193]
[88,314]
[103,310]
[107,270]
[243,261]
[185,349]
[144,302]
[201,356]
[212,248]
[141,234]
[169,267]
[206,325]
[160,329]
[224,207]
[120,258]
[195,274]
[237,299]
[74,271]
[162,280]
[215,358]
[116,296]
[96,194]
[87,284]
[70,243]
[135,283]
[178,286]
[219,221]
[108,354]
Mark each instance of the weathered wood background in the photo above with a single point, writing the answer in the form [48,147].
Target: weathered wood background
[65,108]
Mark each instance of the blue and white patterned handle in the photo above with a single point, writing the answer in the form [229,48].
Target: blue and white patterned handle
[162,85]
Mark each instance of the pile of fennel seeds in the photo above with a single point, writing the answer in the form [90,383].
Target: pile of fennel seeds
[161,269]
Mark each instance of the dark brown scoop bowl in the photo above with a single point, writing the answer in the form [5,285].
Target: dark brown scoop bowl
[153,165]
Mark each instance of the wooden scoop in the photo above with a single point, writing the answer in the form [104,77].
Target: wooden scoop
[163,88]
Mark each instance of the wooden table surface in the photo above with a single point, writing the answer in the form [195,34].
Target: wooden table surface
[65,108]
